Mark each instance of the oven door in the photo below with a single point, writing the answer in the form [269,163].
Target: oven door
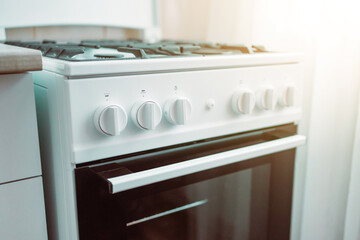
[233,187]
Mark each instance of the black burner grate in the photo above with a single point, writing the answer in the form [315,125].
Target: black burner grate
[90,50]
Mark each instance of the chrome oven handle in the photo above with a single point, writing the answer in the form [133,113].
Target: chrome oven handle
[138,179]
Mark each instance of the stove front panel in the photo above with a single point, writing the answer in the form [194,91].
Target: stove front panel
[209,107]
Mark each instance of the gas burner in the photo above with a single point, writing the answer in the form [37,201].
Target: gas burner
[100,50]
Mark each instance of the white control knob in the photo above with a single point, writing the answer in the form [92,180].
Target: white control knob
[146,115]
[177,110]
[287,98]
[243,101]
[110,120]
[267,98]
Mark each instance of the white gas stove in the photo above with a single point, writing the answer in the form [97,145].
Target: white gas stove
[105,103]
[175,140]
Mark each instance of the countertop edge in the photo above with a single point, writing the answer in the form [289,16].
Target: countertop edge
[17,59]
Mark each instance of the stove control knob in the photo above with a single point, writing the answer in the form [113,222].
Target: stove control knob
[243,101]
[110,120]
[146,115]
[267,98]
[287,98]
[177,110]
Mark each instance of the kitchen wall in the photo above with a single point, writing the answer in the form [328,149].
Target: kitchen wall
[185,19]
[71,33]
[352,221]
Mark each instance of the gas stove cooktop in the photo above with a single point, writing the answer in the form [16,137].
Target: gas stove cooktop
[101,50]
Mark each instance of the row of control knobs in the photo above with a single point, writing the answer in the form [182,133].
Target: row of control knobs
[111,120]
[244,100]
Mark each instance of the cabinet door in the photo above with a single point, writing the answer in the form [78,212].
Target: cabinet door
[22,210]
[19,144]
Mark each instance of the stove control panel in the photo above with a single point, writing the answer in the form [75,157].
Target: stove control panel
[243,101]
[267,98]
[149,111]
[146,114]
[110,120]
[177,110]
[287,97]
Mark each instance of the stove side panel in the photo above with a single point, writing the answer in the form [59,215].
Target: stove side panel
[53,121]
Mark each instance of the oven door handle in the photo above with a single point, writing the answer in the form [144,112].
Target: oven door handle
[138,179]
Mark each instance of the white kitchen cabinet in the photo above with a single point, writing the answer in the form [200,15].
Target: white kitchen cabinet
[22,214]
[19,145]
[22,209]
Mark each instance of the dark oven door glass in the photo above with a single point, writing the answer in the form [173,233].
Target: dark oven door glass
[248,199]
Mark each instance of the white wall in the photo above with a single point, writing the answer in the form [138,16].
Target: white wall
[71,33]
[352,223]
[331,128]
